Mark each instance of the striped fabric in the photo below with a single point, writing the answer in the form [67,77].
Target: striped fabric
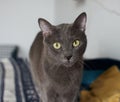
[16,83]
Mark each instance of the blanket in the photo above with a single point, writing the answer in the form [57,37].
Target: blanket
[16,83]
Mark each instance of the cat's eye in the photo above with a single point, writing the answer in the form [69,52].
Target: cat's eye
[76,43]
[57,45]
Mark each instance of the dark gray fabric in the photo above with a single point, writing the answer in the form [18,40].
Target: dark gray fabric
[7,51]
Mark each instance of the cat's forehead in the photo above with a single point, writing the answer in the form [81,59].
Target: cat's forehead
[63,31]
[67,31]
[64,28]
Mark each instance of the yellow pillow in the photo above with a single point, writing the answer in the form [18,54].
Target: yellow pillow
[106,88]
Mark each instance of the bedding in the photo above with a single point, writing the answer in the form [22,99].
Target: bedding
[16,83]
[95,67]
[106,88]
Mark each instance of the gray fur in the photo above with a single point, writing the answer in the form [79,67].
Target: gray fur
[58,80]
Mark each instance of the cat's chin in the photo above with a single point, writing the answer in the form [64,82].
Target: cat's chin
[68,64]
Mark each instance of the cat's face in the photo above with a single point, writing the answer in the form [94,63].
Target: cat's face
[65,43]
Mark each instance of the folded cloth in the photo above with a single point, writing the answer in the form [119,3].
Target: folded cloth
[106,88]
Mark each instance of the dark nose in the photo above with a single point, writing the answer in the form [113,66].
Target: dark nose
[68,57]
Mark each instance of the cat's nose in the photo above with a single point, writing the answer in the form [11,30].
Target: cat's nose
[68,57]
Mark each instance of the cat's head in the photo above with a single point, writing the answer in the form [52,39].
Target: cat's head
[65,43]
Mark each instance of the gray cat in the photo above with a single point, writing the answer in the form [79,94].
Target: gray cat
[56,57]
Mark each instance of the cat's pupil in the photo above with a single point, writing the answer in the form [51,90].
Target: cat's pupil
[57,45]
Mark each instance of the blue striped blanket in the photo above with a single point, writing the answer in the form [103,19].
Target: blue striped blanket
[16,83]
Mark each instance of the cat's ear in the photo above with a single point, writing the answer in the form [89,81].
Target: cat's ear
[80,22]
[45,27]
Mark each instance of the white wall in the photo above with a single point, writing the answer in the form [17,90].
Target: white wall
[18,21]
[103,25]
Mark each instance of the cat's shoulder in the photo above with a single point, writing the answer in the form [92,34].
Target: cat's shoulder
[37,44]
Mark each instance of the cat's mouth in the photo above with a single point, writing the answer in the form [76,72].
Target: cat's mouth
[68,63]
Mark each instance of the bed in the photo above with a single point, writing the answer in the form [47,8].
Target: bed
[16,84]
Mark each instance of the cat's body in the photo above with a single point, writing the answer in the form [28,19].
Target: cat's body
[56,64]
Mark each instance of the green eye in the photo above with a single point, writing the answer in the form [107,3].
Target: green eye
[57,45]
[76,43]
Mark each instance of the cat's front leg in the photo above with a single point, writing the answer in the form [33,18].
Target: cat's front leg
[70,97]
[51,95]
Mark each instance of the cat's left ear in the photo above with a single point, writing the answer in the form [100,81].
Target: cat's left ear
[45,27]
[80,22]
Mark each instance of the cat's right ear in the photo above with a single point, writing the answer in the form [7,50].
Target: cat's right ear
[80,22]
[45,27]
